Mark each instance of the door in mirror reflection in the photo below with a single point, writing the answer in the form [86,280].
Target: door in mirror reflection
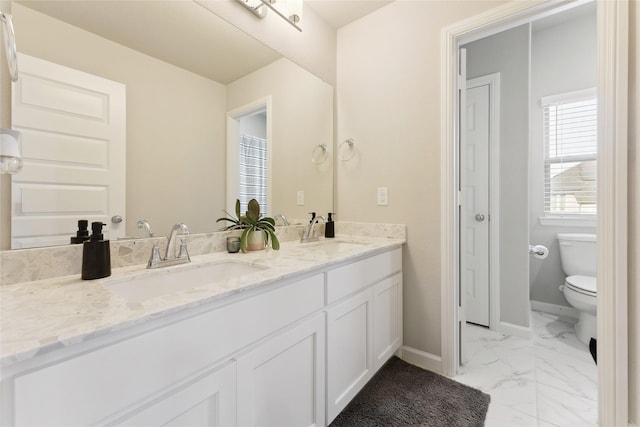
[73,144]
[252,159]
[249,156]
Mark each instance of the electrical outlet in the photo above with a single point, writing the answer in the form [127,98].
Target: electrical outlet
[300,198]
[383,196]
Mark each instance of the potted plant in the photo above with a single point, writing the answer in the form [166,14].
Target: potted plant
[256,229]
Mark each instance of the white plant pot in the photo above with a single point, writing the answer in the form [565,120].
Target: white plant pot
[255,240]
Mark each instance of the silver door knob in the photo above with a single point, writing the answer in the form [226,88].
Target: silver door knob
[116,219]
[479,217]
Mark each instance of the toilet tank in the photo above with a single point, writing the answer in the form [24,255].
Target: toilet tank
[578,253]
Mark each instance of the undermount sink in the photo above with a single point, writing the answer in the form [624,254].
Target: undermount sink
[334,245]
[174,279]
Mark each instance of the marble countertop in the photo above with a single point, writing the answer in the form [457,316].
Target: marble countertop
[41,316]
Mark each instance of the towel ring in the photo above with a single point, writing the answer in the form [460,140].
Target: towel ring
[351,143]
[10,45]
[319,155]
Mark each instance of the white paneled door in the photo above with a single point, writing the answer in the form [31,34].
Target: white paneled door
[475,206]
[73,128]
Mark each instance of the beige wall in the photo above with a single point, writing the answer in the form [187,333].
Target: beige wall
[175,123]
[388,100]
[302,118]
[634,216]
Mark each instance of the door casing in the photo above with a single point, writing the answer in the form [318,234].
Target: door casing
[612,228]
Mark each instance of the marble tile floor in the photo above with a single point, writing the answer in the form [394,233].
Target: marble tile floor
[547,380]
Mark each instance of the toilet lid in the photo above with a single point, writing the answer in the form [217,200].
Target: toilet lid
[584,284]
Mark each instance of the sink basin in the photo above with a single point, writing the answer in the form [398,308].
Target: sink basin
[333,245]
[173,279]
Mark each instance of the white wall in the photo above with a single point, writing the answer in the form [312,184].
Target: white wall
[563,59]
[507,53]
[302,118]
[388,100]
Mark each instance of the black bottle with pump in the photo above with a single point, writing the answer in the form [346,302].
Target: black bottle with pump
[82,234]
[96,256]
[329,227]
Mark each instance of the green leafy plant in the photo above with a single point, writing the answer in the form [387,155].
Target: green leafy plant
[251,222]
[236,222]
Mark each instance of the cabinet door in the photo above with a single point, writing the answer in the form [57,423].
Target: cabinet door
[281,383]
[349,350]
[209,401]
[387,318]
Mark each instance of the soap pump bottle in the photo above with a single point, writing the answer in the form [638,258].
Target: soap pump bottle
[82,234]
[329,227]
[96,256]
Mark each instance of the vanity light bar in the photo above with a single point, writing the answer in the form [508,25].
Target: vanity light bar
[257,7]
[293,19]
[254,6]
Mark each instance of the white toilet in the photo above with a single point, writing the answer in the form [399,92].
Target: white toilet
[578,254]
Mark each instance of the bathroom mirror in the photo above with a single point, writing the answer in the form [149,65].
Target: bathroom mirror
[184,68]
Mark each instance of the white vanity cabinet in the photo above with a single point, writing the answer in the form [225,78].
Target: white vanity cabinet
[364,324]
[387,319]
[349,350]
[137,372]
[209,401]
[293,352]
[281,383]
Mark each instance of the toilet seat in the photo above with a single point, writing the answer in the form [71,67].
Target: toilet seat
[583,284]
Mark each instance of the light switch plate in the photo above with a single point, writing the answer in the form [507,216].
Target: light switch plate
[300,198]
[383,196]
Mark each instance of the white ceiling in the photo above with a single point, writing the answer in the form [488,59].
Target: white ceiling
[338,13]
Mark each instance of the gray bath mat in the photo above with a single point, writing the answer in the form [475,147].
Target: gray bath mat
[401,394]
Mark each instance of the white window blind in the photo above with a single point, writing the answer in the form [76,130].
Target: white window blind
[570,141]
[253,171]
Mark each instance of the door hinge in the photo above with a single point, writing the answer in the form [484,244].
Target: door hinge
[459,198]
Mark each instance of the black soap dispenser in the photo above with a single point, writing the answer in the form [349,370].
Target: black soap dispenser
[329,227]
[96,256]
[82,234]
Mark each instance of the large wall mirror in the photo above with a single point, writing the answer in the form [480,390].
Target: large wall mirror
[184,69]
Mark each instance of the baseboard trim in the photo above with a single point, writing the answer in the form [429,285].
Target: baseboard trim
[555,309]
[514,330]
[422,359]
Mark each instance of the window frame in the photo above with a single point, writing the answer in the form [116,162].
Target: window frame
[569,219]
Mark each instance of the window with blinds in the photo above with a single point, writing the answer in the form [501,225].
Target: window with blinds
[253,171]
[570,158]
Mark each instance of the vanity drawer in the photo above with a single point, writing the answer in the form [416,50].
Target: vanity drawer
[358,275]
[96,386]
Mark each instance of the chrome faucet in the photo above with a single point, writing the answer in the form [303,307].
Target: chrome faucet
[146,228]
[283,218]
[311,234]
[171,258]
